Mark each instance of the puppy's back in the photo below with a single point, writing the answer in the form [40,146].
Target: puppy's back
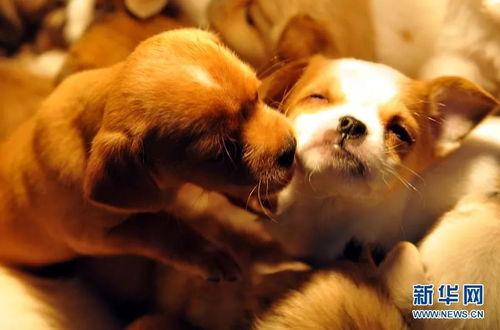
[335,300]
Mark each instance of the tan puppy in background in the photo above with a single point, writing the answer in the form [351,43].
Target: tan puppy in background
[92,171]
[346,295]
[111,39]
[400,34]
[21,93]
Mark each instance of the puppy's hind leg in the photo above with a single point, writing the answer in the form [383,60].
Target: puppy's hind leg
[170,240]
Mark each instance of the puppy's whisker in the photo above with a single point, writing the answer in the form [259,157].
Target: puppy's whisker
[413,172]
[250,196]
[227,151]
[405,182]
[287,93]
[262,205]
[269,66]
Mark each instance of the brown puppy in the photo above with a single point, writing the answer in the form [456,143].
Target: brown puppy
[111,144]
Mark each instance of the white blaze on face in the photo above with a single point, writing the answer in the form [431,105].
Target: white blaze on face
[201,76]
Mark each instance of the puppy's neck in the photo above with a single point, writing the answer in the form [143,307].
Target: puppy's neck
[306,222]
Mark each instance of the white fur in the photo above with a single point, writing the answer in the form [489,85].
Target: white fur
[145,8]
[406,31]
[79,15]
[469,44]
[201,76]
[27,302]
[465,248]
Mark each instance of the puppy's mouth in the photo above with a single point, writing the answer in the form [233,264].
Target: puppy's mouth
[335,157]
[347,163]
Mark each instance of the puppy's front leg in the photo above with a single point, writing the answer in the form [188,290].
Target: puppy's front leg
[163,237]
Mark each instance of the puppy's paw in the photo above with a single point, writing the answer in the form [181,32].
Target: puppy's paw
[216,265]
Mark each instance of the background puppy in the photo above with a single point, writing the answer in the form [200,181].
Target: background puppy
[30,302]
[399,34]
[366,136]
[347,295]
[111,39]
[469,44]
[136,134]
[21,93]
[461,248]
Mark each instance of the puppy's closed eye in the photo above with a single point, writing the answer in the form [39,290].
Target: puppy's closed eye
[317,99]
[317,96]
[399,131]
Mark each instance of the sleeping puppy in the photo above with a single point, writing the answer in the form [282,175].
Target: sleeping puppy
[375,153]
[400,34]
[93,171]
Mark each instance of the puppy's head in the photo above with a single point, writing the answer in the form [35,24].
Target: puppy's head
[185,109]
[364,129]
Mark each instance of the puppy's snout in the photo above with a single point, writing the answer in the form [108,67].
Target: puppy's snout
[287,157]
[351,128]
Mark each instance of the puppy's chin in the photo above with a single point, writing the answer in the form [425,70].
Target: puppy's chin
[335,172]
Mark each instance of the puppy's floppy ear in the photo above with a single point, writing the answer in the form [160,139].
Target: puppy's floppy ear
[401,269]
[457,106]
[302,37]
[117,177]
[276,87]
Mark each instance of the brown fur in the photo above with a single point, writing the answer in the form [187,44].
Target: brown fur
[111,40]
[347,295]
[350,298]
[113,142]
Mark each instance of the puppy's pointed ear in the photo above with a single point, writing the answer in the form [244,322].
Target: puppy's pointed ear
[401,269]
[116,176]
[144,9]
[276,87]
[302,37]
[457,106]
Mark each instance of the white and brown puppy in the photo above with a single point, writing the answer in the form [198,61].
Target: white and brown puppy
[375,147]
[92,170]
[397,33]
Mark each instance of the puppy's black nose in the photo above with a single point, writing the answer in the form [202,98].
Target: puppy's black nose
[351,127]
[286,158]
